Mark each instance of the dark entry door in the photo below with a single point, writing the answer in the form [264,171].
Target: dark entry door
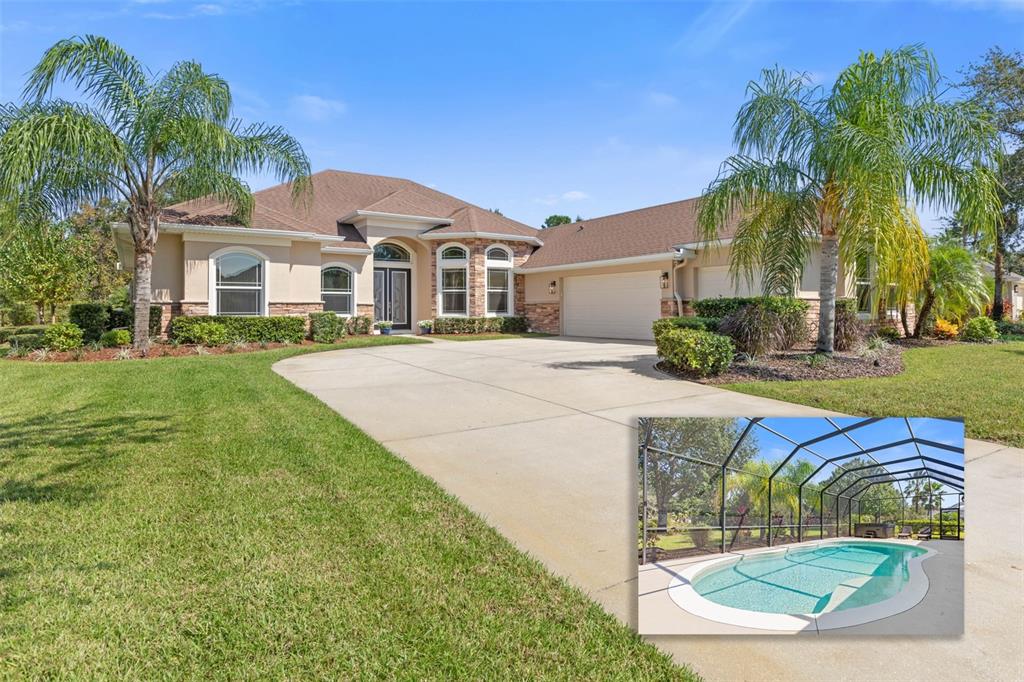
[392,292]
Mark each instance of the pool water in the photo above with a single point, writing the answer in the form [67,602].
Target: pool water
[830,577]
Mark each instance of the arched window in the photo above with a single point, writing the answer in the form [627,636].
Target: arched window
[453,253]
[337,289]
[239,284]
[390,252]
[498,270]
[453,280]
[498,253]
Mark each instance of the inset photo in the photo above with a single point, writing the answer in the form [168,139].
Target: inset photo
[801,525]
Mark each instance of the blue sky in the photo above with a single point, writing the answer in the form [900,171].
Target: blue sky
[533,108]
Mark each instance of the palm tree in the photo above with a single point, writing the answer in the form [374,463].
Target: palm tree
[140,136]
[841,170]
[955,285]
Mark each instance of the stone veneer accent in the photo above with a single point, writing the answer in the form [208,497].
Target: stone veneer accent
[168,311]
[365,309]
[668,307]
[477,304]
[544,317]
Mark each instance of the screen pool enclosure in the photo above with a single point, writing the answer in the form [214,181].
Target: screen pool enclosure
[713,485]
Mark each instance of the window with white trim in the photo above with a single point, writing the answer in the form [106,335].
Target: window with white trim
[336,290]
[498,270]
[453,280]
[239,284]
[391,252]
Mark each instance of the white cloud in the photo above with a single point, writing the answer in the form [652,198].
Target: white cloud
[316,108]
[711,26]
[567,197]
[662,100]
[575,195]
[209,10]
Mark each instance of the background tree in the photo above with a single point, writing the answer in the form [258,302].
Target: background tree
[556,219]
[838,171]
[92,226]
[997,85]
[678,485]
[43,265]
[139,135]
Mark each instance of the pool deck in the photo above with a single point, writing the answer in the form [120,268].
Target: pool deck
[939,613]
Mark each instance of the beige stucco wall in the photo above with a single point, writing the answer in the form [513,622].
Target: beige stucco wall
[362,266]
[293,269]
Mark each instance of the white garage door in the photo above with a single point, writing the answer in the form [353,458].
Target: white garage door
[715,281]
[613,306]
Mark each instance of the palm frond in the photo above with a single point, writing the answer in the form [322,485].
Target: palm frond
[199,181]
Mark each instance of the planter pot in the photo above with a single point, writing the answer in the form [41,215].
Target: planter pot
[385,332]
[424,330]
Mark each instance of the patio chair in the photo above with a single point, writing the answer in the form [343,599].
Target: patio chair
[925,533]
[905,532]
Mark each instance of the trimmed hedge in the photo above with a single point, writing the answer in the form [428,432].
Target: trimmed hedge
[91,318]
[7,332]
[62,336]
[360,324]
[480,325]
[327,327]
[704,324]
[1004,327]
[790,311]
[691,349]
[26,341]
[278,329]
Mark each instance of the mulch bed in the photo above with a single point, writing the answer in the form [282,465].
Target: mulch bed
[794,365]
[156,350]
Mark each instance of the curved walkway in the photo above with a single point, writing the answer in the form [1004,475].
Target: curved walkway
[538,437]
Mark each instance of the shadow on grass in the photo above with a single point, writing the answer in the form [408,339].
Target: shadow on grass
[69,442]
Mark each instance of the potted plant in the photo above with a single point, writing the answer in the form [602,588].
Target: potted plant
[426,326]
[384,326]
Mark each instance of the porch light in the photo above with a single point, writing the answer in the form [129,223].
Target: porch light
[664,280]
[552,287]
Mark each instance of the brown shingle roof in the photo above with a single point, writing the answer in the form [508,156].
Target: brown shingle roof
[337,194]
[641,232]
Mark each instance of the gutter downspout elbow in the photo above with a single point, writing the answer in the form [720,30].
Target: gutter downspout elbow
[675,287]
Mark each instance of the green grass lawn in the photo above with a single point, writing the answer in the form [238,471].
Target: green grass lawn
[984,383]
[489,337]
[200,517]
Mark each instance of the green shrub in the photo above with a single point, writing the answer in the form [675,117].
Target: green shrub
[756,329]
[1005,328]
[26,342]
[360,324]
[125,317]
[888,332]
[116,338]
[327,327]
[62,336]
[205,333]
[699,351]
[279,329]
[7,332]
[980,330]
[791,313]
[480,325]
[91,318]
[706,324]
[849,329]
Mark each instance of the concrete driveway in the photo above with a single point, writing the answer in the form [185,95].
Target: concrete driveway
[538,437]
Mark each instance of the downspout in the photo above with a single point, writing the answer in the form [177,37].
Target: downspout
[675,282]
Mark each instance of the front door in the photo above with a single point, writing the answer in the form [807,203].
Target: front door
[392,292]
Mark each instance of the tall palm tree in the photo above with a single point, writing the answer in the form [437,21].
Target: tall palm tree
[139,136]
[955,285]
[839,171]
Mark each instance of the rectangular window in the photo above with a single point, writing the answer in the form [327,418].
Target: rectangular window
[238,302]
[863,285]
[498,291]
[453,291]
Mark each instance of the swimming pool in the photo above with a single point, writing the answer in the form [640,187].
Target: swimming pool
[822,585]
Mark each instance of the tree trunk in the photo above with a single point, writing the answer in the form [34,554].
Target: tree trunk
[997,266]
[143,297]
[827,291]
[662,518]
[924,312]
[903,320]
